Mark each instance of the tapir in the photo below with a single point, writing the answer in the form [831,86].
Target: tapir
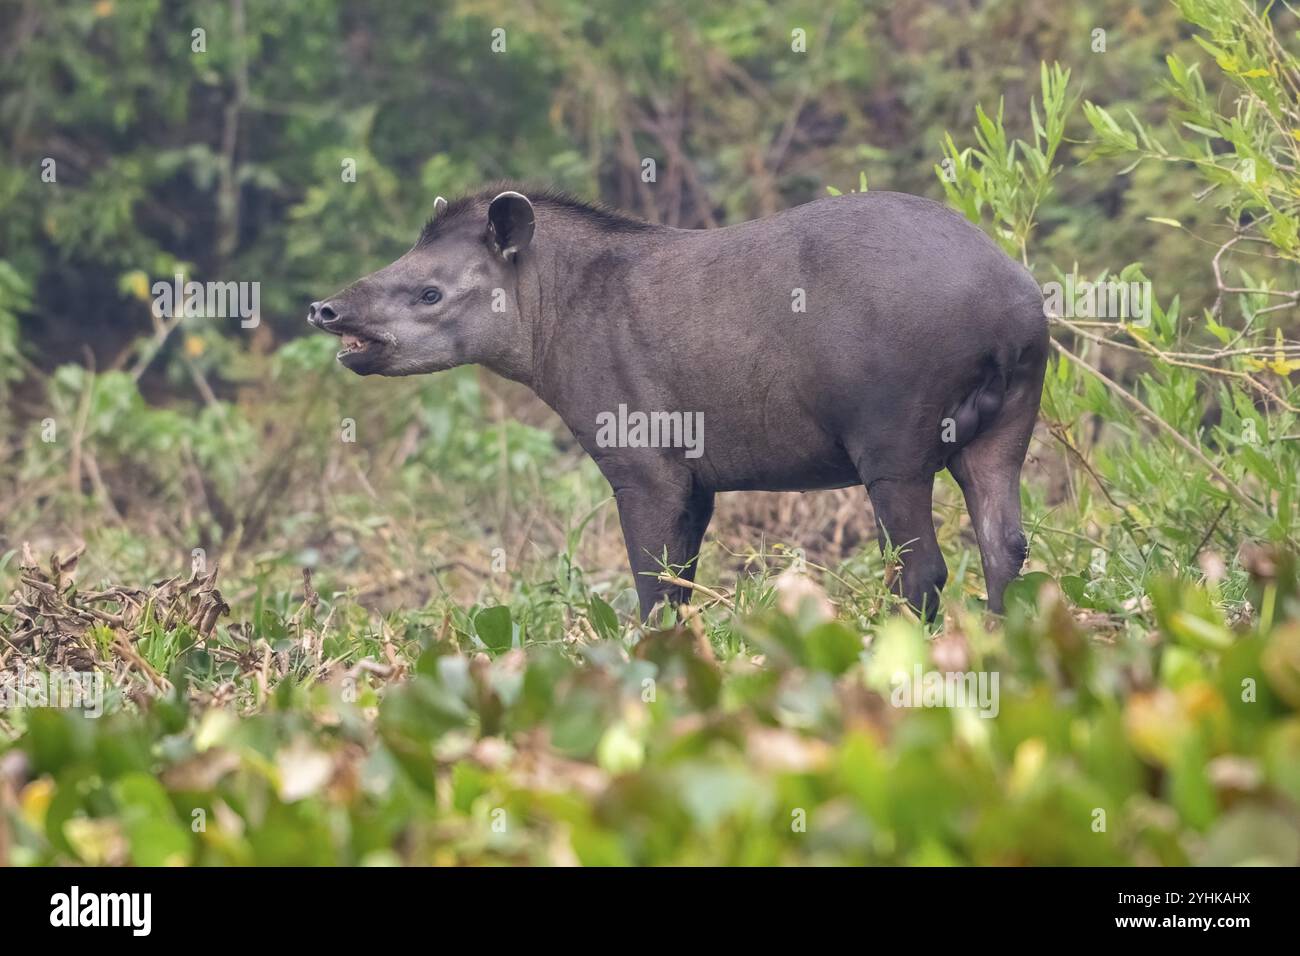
[866,339]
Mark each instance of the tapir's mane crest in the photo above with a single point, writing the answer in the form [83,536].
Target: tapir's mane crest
[596,213]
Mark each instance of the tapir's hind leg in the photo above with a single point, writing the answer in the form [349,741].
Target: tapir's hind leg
[905,520]
[988,471]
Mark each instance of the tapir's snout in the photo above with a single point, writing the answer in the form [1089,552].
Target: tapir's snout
[320,314]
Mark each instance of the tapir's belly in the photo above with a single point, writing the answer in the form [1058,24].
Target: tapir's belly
[730,439]
[829,472]
[792,456]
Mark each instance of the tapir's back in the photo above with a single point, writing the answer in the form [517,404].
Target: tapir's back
[885,264]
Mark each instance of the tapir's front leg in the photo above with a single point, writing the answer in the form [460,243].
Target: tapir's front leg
[659,516]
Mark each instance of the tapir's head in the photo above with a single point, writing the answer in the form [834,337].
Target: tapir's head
[441,304]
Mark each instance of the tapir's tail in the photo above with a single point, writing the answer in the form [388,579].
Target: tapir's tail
[995,425]
[1019,362]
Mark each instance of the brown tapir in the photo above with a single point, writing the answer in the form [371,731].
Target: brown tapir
[868,339]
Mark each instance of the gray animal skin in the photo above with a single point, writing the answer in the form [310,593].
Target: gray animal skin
[868,339]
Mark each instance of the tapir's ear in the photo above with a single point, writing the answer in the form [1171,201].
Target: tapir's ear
[439,206]
[510,223]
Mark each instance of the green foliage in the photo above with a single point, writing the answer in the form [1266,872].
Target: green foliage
[15,297]
[651,750]
[1011,178]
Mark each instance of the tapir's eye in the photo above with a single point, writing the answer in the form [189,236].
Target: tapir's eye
[430,296]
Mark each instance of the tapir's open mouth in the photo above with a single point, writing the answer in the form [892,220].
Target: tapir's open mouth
[357,347]
[362,351]
[352,344]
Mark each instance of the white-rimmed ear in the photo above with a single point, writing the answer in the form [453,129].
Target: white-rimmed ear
[439,206]
[510,223]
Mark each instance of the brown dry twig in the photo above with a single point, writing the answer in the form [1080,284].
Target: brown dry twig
[48,619]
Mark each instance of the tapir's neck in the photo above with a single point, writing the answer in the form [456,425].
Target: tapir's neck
[565,280]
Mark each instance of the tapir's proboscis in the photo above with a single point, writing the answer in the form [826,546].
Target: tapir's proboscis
[869,339]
